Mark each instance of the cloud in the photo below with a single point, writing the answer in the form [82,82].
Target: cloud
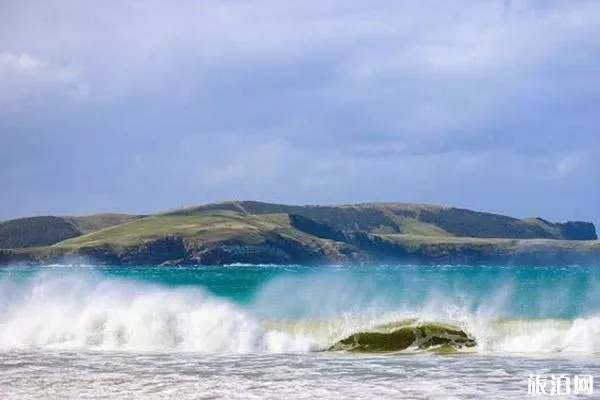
[461,102]
[25,78]
[566,165]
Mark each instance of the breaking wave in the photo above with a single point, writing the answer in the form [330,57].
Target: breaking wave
[91,312]
[88,311]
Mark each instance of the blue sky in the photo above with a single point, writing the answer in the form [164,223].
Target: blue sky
[140,106]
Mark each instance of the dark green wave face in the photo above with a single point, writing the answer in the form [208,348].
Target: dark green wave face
[419,336]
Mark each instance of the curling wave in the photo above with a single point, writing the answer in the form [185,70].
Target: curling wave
[89,311]
[421,336]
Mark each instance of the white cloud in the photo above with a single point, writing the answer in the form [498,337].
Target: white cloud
[23,63]
[566,165]
[25,78]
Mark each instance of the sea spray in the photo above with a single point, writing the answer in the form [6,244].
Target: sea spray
[540,335]
[87,311]
[293,309]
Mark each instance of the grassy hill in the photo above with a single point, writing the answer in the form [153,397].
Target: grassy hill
[247,231]
[411,219]
[48,230]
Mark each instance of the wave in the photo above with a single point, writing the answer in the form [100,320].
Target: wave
[87,311]
[539,335]
[422,336]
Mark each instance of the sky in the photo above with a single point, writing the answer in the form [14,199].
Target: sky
[140,106]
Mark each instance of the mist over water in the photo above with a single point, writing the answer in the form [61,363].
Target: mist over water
[271,309]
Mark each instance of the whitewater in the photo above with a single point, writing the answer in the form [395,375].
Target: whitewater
[246,331]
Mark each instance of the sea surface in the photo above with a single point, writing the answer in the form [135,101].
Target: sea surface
[266,332]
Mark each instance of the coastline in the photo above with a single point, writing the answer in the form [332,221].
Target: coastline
[262,233]
[369,249]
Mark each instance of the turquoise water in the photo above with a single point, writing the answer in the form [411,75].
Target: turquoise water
[526,291]
[264,331]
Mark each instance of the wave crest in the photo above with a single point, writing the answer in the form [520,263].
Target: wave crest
[86,310]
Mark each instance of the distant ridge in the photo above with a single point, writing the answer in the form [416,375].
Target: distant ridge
[258,232]
[407,217]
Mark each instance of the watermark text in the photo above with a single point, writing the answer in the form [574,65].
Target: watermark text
[560,385]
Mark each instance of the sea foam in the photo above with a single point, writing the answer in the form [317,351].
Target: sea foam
[85,310]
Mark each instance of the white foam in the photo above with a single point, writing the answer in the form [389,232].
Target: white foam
[540,336]
[85,311]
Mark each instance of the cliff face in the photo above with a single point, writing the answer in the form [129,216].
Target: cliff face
[578,231]
[252,232]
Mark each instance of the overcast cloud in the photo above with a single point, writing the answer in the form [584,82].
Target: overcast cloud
[140,106]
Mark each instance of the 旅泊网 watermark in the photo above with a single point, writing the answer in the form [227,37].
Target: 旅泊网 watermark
[560,385]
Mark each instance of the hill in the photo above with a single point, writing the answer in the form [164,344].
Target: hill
[256,232]
[407,218]
[48,230]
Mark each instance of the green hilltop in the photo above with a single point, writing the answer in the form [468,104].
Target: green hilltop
[257,232]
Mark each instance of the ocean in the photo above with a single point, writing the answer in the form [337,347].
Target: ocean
[299,332]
